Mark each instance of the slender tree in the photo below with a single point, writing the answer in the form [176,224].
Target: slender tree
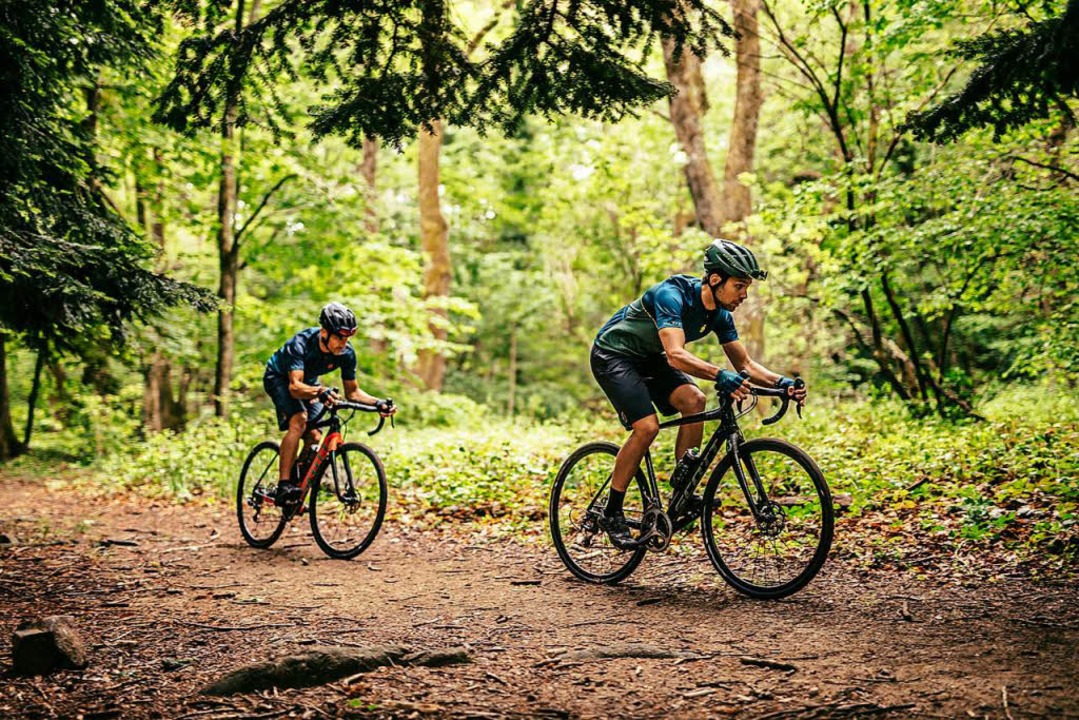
[434,235]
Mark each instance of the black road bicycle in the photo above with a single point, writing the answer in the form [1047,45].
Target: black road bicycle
[766,512]
[347,485]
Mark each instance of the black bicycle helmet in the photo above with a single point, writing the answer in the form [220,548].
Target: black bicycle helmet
[732,260]
[338,319]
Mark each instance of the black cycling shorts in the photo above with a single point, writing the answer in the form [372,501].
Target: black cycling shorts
[634,385]
[284,404]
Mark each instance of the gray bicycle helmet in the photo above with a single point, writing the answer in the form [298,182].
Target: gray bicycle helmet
[732,260]
[338,319]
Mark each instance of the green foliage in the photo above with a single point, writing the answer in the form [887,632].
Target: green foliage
[1023,74]
[68,262]
[390,67]
[1013,480]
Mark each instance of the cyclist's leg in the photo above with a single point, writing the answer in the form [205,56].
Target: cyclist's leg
[622,381]
[633,450]
[292,415]
[626,388]
[294,428]
[688,400]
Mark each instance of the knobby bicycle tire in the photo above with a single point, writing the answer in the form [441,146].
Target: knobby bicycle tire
[803,500]
[344,526]
[248,497]
[570,549]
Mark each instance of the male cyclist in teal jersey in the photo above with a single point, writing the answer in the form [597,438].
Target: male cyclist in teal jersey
[640,359]
[291,380]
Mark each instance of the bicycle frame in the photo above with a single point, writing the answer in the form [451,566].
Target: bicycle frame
[728,432]
[329,445]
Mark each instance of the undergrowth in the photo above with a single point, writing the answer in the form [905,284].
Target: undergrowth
[1009,484]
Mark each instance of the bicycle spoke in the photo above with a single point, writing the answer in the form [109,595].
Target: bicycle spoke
[349,501]
[578,498]
[783,548]
[261,521]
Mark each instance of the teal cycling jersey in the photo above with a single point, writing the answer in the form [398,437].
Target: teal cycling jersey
[673,303]
[302,352]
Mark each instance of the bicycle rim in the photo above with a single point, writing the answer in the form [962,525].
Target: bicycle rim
[778,553]
[347,509]
[578,496]
[261,522]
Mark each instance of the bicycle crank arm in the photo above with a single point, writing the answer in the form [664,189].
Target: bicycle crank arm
[658,535]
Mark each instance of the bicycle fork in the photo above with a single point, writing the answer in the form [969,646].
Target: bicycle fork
[762,508]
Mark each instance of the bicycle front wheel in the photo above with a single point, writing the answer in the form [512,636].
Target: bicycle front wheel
[780,549]
[578,498]
[349,501]
[261,522]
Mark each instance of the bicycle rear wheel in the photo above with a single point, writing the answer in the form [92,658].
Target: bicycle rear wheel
[349,501]
[780,551]
[261,522]
[578,498]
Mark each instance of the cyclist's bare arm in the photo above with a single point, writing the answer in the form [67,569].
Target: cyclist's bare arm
[300,390]
[674,344]
[678,357]
[355,394]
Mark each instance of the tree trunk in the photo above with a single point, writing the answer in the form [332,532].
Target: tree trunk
[737,201]
[747,109]
[35,388]
[160,410]
[9,444]
[367,169]
[510,406]
[435,239]
[688,107]
[228,265]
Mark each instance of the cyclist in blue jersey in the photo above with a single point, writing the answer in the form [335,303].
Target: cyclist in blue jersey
[292,382]
[640,360]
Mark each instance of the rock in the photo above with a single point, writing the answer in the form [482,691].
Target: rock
[324,664]
[40,646]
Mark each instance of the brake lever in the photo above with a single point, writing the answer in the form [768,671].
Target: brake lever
[799,383]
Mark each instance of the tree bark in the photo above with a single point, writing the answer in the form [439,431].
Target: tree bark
[367,170]
[434,233]
[688,107]
[35,389]
[742,148]
[160,410]
[228,257]
[511,405]
[9,444]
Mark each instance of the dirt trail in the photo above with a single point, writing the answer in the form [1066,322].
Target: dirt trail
[163,617]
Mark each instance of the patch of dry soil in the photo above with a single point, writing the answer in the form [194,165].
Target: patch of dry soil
[189,601]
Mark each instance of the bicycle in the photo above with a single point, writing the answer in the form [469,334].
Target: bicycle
[347,504]
[767,533]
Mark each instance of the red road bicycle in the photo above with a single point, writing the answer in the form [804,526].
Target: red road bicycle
[342,489]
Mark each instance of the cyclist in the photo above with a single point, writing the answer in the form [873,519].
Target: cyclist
[639,358]
[291,381]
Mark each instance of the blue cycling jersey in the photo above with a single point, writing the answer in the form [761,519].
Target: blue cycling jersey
[302,352]
[673,303]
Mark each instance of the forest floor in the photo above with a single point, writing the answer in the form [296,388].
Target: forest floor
[170,599]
